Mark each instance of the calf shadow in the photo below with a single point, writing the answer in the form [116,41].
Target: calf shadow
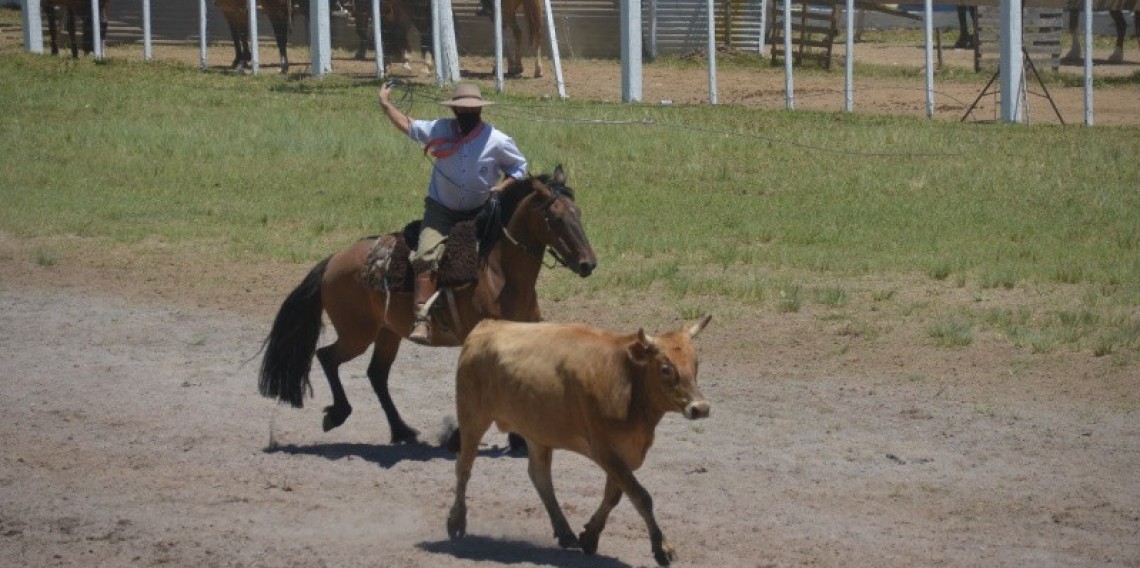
[505,551]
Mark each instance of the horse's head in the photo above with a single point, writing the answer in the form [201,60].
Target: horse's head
[554,220]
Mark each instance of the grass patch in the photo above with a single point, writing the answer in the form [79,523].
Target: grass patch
[951,333]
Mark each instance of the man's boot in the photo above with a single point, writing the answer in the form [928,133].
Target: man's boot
[424,290]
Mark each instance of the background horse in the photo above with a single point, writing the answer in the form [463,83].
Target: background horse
[532,10]
[1074,54]
[280,14]
[540,213]
[405,26]
[70,8]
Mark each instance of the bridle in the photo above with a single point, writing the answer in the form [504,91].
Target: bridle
[545,207]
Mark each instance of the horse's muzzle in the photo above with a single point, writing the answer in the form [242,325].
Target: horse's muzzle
[586,267]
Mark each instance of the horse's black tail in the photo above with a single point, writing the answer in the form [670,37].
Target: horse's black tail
[292,341]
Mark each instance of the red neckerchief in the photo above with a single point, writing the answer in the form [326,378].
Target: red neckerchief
[444,147]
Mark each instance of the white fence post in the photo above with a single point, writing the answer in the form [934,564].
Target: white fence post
[320,39]
[33,26]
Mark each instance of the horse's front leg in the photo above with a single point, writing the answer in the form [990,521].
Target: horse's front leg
[281,34]
[515,66]
[384,351]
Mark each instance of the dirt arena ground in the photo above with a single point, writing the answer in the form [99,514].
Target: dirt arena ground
[133,434]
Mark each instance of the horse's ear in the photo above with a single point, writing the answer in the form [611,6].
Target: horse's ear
[559,175]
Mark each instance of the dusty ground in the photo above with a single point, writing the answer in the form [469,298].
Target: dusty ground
[133,434]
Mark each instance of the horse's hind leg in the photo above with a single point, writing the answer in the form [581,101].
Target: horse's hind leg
[384,352]
[339,410]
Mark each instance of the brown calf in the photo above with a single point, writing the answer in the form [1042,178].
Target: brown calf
[579,388]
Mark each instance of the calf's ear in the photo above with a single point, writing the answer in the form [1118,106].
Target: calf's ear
[697,327]
[642,350]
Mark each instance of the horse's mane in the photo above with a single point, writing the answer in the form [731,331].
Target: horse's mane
[495,215]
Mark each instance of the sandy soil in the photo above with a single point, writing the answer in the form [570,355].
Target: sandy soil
[133,435]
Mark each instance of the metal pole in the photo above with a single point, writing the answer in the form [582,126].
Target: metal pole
[499,84]
[1011,61]
[436,46]
[763,27]
[255,59]
[630,51]
[652,30]
[320,38]
[712,51]
[1088,63]
[202,61]
[33,26]
[96,31]
[450,62]
[148,49]
[554,52]
[928,45]
[848,90]
[789,82]
[381,72]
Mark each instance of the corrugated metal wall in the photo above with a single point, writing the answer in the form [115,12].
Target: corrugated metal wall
[585,28]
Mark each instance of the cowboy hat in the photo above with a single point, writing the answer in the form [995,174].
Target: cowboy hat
[466,95]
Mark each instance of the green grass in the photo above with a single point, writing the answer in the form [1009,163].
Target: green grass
[702,205]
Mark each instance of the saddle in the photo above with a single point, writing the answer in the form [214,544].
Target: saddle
[388,267]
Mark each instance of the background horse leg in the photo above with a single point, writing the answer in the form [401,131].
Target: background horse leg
[71,33]
[1121,30]
[53,27]
[240,35]
[280,17]
[532,9]
[1074,54]
[384,352]
[514,66]
[362,14]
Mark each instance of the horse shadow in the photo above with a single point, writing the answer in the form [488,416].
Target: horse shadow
[384,456]
[505,551]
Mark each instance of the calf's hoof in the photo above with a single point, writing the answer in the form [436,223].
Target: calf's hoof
[456,524]
[568,541]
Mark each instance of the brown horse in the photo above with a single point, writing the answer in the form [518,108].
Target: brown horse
[540,215]
[405,27]
[70,8]
[532,10]
[280,14]
[1121,25]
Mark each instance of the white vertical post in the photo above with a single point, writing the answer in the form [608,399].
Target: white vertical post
[1088,63]
[450,61]
[630,51]
[763,27]
[554,51]
[381,72]
[33,26]
[202,61]
[849,71]
[255,58]
[1012,64]
[789,82]
[148,50]
[320,38]
[499,84]
[928,46]
[436,45]
[652,30]
[712,50]
[96,31]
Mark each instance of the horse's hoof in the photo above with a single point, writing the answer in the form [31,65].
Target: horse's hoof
[335,417]
[588,540]
[1116,57]
[360,56]
[568,541]
[405,435]
[665,556]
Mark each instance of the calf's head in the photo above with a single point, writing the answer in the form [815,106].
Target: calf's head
[669,367]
